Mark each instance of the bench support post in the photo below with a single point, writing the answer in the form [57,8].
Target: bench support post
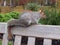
[47,42]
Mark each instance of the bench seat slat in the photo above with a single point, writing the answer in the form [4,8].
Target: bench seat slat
[5,39]
[17,40]
[31,41]
[47,42]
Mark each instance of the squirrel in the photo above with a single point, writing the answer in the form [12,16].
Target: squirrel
[26,19]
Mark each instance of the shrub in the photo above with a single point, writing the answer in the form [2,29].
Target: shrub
[8,16]
[52,17]
[4,18]
[32,6]
[14,15]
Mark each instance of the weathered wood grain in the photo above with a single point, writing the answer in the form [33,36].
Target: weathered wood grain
[44,31]
[17,40]
[31,41]
[47,42]
[3,27]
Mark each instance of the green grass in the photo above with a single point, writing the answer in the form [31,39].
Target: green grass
[10,43]
[0,42]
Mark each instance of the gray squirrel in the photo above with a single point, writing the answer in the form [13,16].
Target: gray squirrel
[27,18]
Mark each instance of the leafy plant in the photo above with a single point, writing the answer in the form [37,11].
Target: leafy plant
[52,17]
[4,18]
[14,15]
[32,6]
[8,16]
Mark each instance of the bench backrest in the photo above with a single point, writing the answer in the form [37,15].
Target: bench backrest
[47,32]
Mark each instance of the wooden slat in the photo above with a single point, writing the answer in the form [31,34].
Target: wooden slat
[47,42]
[3,27]
[31,41]
[17,40]
[5,39]
[44,31]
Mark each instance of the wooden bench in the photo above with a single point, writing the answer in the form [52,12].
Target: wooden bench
[4,31]
[48,32]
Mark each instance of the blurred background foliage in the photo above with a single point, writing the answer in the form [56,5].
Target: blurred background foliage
[51,9]
[11,15]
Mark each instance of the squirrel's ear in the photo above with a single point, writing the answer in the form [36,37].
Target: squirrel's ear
[40,11]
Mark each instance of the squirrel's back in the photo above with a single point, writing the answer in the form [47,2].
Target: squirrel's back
[28,18]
